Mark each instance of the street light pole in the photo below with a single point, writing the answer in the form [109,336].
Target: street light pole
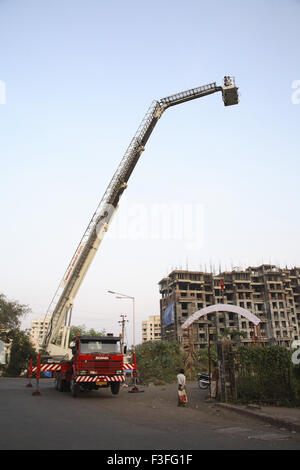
[125,296]
[123,332]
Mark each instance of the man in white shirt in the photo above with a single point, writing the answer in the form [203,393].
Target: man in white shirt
[181,381]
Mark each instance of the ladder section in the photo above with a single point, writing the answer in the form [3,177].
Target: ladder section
[191,94]
[86,250]
[62,301]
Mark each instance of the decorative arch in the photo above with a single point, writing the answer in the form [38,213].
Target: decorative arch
[221,308]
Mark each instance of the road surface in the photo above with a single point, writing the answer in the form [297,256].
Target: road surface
[130,421]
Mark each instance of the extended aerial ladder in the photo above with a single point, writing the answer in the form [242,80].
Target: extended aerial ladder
[61,305]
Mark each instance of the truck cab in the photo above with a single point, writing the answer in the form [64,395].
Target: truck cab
[97,362]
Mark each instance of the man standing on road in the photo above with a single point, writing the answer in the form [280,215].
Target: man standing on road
[181,381]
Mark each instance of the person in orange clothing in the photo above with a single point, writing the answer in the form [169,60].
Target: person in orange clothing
[181,382]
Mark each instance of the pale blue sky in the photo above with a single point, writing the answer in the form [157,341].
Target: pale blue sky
[80,76]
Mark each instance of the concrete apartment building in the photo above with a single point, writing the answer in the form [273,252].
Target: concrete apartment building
[38,328]
[151,329]
[271,293]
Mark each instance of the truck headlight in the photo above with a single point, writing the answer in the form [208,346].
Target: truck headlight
[119,372]
[83,372]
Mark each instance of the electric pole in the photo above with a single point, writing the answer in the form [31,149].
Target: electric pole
[122,322]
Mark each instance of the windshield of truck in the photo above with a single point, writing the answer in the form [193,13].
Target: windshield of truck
[105,347]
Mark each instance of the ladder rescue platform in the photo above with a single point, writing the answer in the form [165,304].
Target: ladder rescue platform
[230,91]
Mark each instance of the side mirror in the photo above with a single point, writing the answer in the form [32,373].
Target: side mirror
[125,349]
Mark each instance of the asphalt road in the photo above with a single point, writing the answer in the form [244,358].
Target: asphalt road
[150,420]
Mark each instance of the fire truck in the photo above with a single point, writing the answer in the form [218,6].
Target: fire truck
[97,362]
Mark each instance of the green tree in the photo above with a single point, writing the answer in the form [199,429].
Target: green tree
[201,357]
[11,313]
[21,352]
[232,334]
[82,329]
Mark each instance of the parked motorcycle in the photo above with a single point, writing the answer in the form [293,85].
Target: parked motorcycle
[203,381]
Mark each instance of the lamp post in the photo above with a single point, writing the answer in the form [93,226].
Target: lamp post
[124,296]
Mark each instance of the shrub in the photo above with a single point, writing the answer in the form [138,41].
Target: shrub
[159,361]
[266,374]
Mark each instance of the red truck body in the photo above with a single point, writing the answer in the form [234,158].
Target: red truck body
[97,362]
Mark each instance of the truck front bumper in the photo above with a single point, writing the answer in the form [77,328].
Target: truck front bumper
[99,378]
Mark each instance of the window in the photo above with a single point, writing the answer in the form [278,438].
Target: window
[90,347]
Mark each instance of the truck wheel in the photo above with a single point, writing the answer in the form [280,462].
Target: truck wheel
[67,386]
[115,388]
[74,388]
[58,382]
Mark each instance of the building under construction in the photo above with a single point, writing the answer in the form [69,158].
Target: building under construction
[270,293]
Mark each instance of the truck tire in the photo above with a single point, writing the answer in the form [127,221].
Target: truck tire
[58,382]
[67,386]
[55,381]
[115,388]
[74,388]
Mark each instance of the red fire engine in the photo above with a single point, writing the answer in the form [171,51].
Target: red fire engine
[97,362]
[104,366]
